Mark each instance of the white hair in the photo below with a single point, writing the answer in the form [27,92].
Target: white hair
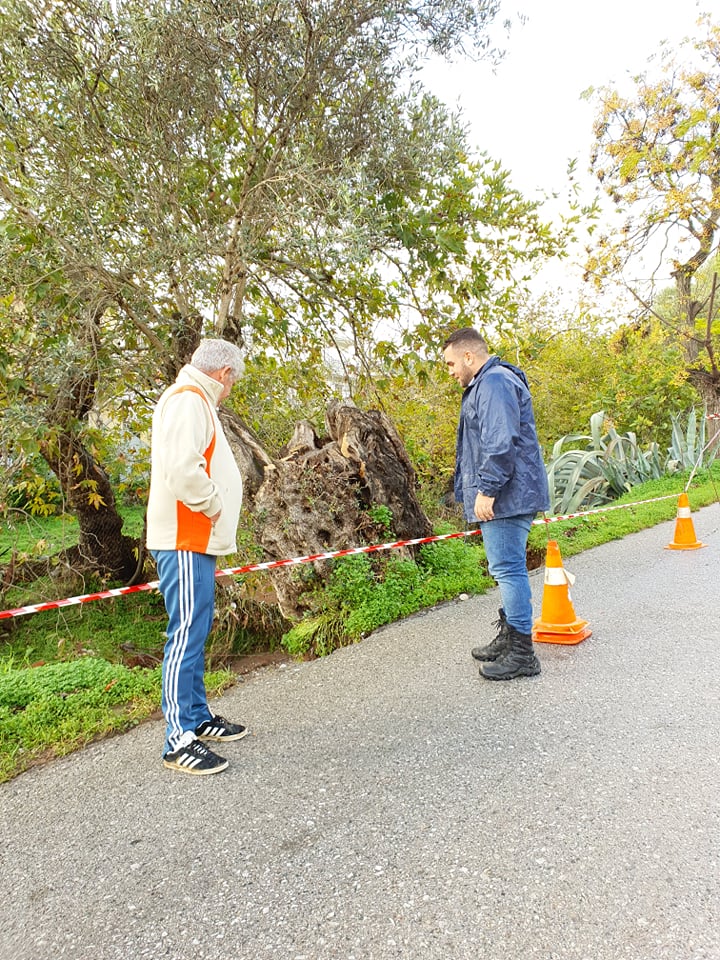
[212,355]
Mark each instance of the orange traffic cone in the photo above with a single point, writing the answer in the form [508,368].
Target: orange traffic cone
[558,623]
[685,538]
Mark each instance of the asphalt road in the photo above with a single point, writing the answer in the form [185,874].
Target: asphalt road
[392,804]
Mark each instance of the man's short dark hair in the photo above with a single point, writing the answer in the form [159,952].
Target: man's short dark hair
[467,339]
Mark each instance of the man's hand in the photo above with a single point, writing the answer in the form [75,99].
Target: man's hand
[484,507]
[214,520]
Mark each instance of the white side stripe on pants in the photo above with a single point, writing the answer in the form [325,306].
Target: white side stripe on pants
[186,602]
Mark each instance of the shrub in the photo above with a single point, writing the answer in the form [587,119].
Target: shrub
[363,595]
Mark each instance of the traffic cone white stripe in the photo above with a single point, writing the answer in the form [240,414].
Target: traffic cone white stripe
[558,577]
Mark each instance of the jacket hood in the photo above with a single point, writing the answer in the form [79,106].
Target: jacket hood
[493,361]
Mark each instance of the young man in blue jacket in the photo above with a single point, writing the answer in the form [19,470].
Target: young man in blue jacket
[500,480]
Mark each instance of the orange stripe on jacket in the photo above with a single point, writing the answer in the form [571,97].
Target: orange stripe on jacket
[194,528]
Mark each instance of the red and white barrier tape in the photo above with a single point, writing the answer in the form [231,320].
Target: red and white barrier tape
[310,558]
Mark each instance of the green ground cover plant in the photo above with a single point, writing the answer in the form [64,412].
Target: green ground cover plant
[50,710]
[124,629]
[366,593]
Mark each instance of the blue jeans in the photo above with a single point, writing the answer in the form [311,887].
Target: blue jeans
[505,542]
[187,583]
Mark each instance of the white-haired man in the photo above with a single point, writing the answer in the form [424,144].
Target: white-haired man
[192,518]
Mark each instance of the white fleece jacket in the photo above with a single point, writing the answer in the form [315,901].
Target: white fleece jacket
[193,471]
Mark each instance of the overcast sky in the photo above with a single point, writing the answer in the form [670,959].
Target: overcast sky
[528,112]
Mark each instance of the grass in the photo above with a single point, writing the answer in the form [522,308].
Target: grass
[365,594]
[127,629]
[575,536]
[33,536]
[71,675]
[53,709]
[74,674]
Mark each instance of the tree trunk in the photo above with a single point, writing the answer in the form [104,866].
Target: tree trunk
[89,496]
[316,497]
[86,487]
[707,384]
[705,381]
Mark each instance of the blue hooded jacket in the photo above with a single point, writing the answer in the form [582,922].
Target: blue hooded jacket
[498,452]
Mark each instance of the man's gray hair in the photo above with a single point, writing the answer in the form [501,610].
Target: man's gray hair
[212,355]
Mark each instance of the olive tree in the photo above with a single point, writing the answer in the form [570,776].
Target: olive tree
[268,171]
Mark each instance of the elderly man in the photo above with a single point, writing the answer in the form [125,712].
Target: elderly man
[500,480]
[192,518]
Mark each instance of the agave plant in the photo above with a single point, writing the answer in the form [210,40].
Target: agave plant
[687,448]
[625,464]
[576,480]
[601,465]
[575,476]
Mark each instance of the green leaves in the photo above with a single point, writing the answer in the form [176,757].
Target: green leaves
[270,172]
[54,708]
[656,155]
[687,447]
[605,464]
[363,595]
[266,167]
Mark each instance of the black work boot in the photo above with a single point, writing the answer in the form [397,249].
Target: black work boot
[519,661]
[499,645]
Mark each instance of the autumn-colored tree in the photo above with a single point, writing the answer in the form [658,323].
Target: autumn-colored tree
[581,362]
[657,154]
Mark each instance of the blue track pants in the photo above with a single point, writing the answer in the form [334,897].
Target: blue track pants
[187,583]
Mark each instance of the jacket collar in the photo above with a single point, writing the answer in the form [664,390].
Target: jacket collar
[490,362]
[191,376]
